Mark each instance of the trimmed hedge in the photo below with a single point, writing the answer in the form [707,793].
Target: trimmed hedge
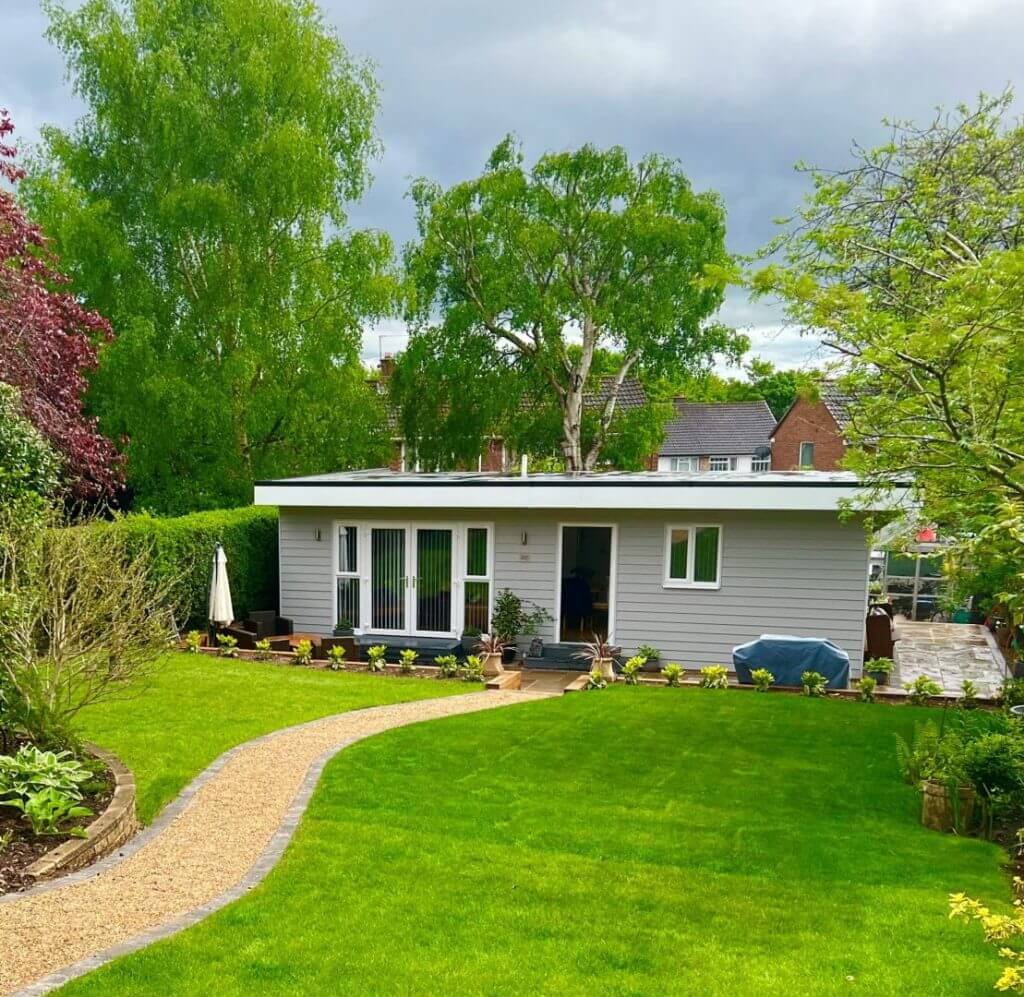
[185,544]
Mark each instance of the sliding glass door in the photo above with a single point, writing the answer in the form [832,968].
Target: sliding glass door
[389,579]
[433,580]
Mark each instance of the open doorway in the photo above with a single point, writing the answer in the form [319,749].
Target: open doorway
[585,583]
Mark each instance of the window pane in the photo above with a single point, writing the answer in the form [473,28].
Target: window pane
[806,454]
[678,550]
[761,464]
[705,554]
[476,552]
[347,549]
[478,597]
[931,567]
[348,602]
[719,464]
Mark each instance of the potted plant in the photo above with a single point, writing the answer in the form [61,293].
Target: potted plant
[880,669]
[344,628]
[491,647]
[514,618]
[470,638]
[601,655]
[650,653]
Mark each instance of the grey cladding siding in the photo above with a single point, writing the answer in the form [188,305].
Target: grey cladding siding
[307,564]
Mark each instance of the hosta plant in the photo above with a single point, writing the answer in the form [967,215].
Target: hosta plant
[406,660]
[814,683]
[304,652]
[336,657]
[262,648]
[763,679]
[473,669]
[632,668]
[921,690]
[32,770]
[47,809]
[193,641]
[648,651]
[447,665]
[714,677]
[672,673]
[866,689]
[375,657]
[1004,931]
[227,646]
[595,680]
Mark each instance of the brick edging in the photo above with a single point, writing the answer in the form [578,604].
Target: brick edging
[112,828]
[270,856]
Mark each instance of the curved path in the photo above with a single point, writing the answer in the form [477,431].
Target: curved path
[217,840]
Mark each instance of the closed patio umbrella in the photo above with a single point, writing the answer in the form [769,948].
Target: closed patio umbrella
[221,610]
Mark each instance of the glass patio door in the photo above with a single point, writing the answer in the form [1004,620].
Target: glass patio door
[432,580]
[389,579]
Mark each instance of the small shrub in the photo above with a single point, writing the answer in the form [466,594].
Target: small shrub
[866,689]
[814,683]
[969,697]
[304,652]
[336,657]
[473,669]
[921,690]
[631,669]
[447,665]
[262,648]
[491,644]
[714,677]
[886,665]
[406,660]
[595,680]
[1004,931]
[763,679]
[227,646]
[32,770]
[193,641]
[1011,693]
[648,652]
[673,673]
[375,657]
[47,809]
[994,764]
[599,649]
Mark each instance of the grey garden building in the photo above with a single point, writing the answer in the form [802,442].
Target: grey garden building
[691,563]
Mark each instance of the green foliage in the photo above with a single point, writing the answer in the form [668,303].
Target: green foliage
[917,759]
[1004,931]
[200,203]
[632,668]
[447,665]
[262,649]
[47,809]
[336,657]
[921,690]
[624,252]
[514,617]
[1011,693]
[969,697]
[595,680]
[407,660]
[866,689]
[181,549]
[193,641]
[672,673]
[714,677]
[227,646]
[763,679]
[375,657]
[473,669]
[994,765]
[886,665]
[32,770]
[304,652]
[814,683]
[649,652]
[28,464]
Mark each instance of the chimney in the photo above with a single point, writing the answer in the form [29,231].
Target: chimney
[387,366]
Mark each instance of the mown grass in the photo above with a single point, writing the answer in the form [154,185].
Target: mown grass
[636,841]
[191,708]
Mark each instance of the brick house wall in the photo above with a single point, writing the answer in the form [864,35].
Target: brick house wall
[807,422]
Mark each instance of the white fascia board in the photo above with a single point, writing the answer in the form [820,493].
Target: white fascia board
[808,498]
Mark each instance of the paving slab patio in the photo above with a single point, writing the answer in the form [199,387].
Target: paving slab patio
[949,653]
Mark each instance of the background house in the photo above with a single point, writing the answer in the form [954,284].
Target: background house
[718,436]
[811,433]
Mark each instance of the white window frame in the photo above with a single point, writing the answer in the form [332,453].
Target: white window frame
[462,576]
[691,550]
[765,461]
[692,464]
[731,463]
[338,573]
[800,453]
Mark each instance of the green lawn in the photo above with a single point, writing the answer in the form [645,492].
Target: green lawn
[637,841]
[192,708]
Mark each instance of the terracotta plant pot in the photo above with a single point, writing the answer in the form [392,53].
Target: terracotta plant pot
[492,664]
[606,666]
[937,807]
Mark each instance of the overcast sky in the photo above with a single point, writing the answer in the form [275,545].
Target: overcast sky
[737,90]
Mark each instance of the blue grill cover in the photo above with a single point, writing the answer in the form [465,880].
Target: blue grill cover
[787,658]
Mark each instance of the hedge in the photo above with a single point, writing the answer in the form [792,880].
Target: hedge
[184,545]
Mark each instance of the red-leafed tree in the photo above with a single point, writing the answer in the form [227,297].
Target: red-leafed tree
[48,342]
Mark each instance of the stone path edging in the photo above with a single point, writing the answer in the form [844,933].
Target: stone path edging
[270,854]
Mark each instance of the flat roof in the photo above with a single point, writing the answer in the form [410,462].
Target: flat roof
[782,490]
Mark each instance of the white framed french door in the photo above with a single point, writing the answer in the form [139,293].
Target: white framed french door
[424,579]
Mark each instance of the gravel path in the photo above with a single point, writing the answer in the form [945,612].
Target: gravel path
[217,841]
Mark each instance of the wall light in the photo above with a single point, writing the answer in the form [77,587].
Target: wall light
[317,535]
[524,539]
